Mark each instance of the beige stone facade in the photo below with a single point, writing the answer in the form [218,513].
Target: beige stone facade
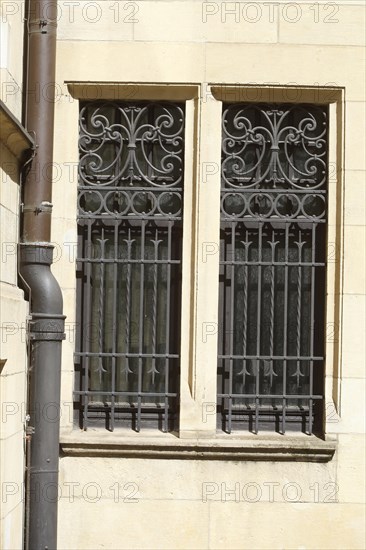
[195,489]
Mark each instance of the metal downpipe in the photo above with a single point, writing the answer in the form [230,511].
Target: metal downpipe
[46,325]
[45,333]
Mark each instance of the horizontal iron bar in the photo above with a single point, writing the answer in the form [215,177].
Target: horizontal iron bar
[116,354]
[274,263]
[130,188]
[274,357]
[125,261]
[112,394]
[268,396]
[272,219]
[136,217]
[263,407]
[277,191]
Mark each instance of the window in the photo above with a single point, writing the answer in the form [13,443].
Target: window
[205,316]
[130,204]
[272,267]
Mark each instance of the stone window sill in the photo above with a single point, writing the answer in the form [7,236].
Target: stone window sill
[299,448]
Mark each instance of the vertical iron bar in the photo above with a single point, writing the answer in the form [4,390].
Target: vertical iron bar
[285,308]
[101,307]
[259,307]
[141,324]
[298,311]
[87,339]
[154,312]
[245,305]
[312,305]
[232,311]
[127,370]
[114,324]
[167,326]
[272,300]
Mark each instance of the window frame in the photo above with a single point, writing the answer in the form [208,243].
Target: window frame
[334,98]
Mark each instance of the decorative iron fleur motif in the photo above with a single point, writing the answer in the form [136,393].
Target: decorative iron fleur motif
[264,144]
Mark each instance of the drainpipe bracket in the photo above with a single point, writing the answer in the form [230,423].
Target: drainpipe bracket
[45,206]
[39,26]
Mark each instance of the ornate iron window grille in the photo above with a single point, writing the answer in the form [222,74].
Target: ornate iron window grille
[130,200]
[272,267]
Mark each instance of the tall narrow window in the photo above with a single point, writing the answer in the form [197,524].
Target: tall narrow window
[130,200]
[272,267]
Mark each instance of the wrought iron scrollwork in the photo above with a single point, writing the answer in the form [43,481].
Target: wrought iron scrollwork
[274,161]
[131,160]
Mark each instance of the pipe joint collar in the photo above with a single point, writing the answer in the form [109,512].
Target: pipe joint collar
[47,328]
[36,253]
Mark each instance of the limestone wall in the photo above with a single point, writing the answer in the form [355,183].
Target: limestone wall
[299,51]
